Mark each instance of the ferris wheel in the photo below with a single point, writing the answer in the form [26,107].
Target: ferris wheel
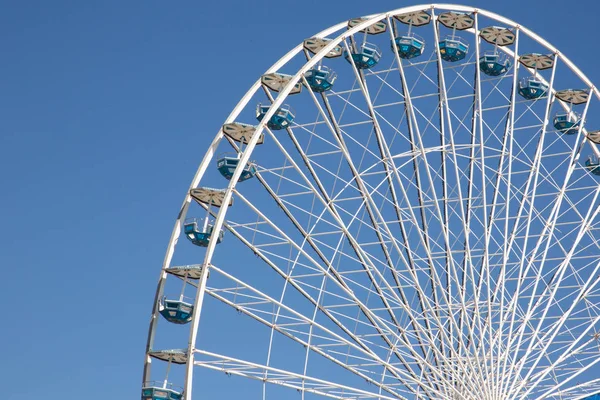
[404,206]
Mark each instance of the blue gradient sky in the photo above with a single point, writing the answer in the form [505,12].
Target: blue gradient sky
[106,108]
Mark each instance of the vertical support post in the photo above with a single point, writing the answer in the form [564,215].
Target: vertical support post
[166,381]
[185,281]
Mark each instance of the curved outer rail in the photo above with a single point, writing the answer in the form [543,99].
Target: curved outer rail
[278,101]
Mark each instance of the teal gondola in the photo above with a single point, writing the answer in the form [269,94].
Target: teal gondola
[494,64]
[200,236]
[367,56]
[409,46]
[152,391]
[176,311]
[593,165]
[227,164]
[532,89]
[320,78]
[567,123]
[453,48]
[282,118]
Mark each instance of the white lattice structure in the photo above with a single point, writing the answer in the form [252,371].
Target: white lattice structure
[420,229]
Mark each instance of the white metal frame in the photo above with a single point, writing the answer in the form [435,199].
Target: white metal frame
[431,382]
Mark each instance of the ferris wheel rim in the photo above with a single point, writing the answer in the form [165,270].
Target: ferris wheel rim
[283,95]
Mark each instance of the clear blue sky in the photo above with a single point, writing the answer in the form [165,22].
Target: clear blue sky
[106,108]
